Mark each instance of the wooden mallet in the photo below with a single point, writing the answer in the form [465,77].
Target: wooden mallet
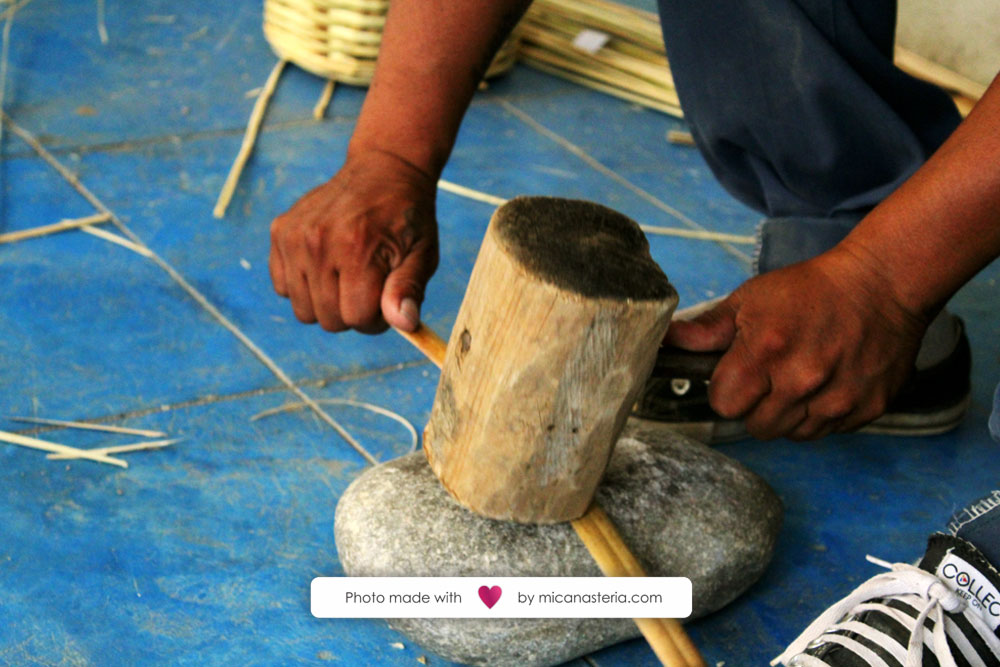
[558,330]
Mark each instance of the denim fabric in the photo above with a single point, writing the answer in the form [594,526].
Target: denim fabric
[785,241]
[995,417]
[796,104]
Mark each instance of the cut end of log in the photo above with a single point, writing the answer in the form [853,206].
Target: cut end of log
[581,247]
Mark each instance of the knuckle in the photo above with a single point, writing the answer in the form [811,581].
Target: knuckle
[834,406]
[313,240]
[770,342]
[807,379]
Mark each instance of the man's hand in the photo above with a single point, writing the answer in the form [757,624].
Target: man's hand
[815,348]
[357,251]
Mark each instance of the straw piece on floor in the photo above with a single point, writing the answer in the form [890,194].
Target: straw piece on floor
[56,448]
[680,137]
[118,449]
[118,240]
[324,100]
[54,228]
[8,18]
[469,193]
[698,234]
[89,426]
[102,28]
[377,409]
[249,138]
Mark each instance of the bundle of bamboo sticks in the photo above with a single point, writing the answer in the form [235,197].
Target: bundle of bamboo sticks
[631,64]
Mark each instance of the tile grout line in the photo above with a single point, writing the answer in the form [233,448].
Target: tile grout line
[262,356]
[209,399]
[618,178]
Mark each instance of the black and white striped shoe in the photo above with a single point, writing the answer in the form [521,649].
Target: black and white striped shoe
[944,613]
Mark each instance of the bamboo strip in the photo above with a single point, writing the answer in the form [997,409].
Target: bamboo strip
[427,341]
[90,426]
[8,18]
[603,74]
[56,448]
[324,100]
[253,127]
[546,37]
[626,95]
[469,193]
[117,449]
[615,19]
[699,234]
[118,240]
[377,409]
[54,228]
[102,29]
[680,138]
[665,635]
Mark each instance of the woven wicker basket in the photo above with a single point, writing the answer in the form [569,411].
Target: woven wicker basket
[339,39]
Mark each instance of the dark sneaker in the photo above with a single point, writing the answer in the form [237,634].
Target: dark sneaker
[944,613]
[932,401]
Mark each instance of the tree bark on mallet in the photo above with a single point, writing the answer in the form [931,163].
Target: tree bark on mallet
[558,330]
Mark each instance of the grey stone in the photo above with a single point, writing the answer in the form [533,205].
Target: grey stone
[682,508]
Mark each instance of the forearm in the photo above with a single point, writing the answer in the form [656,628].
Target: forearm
[943,225]
[433,56]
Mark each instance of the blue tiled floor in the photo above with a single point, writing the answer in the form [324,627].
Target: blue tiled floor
[202,553]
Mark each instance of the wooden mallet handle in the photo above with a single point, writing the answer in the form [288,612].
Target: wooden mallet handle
[665,635]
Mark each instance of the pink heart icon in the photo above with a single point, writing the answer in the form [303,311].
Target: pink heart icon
[489,596]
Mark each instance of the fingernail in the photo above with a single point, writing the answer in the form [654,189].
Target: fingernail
[409,309]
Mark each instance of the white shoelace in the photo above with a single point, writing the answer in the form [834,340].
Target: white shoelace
[901,580]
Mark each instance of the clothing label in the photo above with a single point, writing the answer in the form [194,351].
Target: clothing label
[968,582]
[591,41]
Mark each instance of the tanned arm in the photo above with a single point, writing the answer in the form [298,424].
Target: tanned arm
[357,251]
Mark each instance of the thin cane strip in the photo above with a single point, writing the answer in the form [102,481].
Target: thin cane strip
[56,448]
[118,240]
[89,426]
[118,449]
[249,139]
[469,193]
[54,228]
[698,234]
[379,410]
[324,100]
[8,18]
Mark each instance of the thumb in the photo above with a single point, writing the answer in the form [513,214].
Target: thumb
[712,330]
[404,292]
